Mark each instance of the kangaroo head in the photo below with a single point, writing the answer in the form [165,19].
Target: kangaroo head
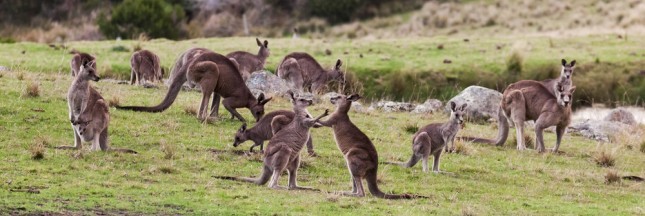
[258,108]
[299,104]
[343,102]
[564,93]
[567,69]
[240,136]
[264,47]
[336,73]
[88,71]
[457,113]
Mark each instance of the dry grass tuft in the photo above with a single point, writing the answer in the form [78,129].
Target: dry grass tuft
[31,90]
[190,110]
[605,157]
[167,170]
[612,177]
[37,150]
[168,150]
[643,147]
[528,141]
[411,128]
[463,148]
[136,47]
[468,211]
[20,76]
[114,101]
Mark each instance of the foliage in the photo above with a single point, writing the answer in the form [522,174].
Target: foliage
[155,18]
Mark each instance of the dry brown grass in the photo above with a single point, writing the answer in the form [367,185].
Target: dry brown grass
[528,141]
[168,150]
[114,101]
[31,90]
[605,157]
[190,110]
[20,76]
[463,148]
[612,177]
[468,211]
[37,150]
[167,170]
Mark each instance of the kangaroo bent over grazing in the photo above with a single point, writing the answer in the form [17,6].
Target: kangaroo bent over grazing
[250,63]
[176,80]
[78,59]
[432,138]
[145,66]
[359,152]
[262,131]
[217,74]
[283,150]
[303,72]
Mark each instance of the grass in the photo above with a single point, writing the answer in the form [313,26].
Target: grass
[495,180]
[605,157]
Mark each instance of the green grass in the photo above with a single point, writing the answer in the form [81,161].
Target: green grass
[491,180]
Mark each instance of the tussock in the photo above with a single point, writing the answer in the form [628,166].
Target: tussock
[37,151]
[463,148]
[114,101]
[612,177]
[411,128]
[168,150]
[31,90]
[190,110]
[605,157]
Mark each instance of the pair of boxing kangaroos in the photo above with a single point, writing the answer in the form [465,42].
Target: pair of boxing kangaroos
[547,102]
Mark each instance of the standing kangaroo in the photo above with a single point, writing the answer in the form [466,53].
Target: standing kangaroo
[88,112]
[359,152]
[304,73]
[565,77]
[262,131]
[250,63]
[531,100]
[176,80]
[78,59]
[145,67]
[217,74]
[283,150]
[432,138]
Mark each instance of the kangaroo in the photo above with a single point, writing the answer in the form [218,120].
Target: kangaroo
[88,112]
[283,150]
[432,138]
[262,131]
[250,63]
[78,59]
[176,80]
[531,100]
[359,152]
[145,67]
[303,72]
[565,77]
[217,74]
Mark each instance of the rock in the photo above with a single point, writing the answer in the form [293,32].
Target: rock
[621,115]
[483,103]
[599,130]
[267,82]
[358,107]
[430,106]
[3,68]
[327,96]
[391,106]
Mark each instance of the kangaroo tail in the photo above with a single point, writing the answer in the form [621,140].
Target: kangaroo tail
[263,179]
[502,131]
[373,187]
[413,161]
[173,91]
[129,151]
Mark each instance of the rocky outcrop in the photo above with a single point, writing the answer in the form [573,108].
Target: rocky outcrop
[430,106]
[483,103]
[621,115]
[391,106]
[267,83]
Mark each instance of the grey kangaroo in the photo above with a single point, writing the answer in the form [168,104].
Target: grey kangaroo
[250,63]
[283,150]
[88,112]
[432,138]
[262,131]
[145,67]
[565,80]
[78,59]
[359,152]
[304,73]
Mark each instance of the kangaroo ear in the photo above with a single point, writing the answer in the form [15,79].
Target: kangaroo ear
[260,97]
[572,89]
[293,97]
[258,41]
[243,128]
[463,107]
[353,97]
[338,64]
[564,62]
[266,44]
[265,101]
[453,106]
[573,63]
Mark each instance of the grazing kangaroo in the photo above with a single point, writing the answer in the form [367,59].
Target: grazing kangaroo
[262,131]
[217,74]
[78,59]
[304,73]
[250,63]
[359,152]
[145,67]
[88,112]
[564,79]
[531,100]
[432,138]
[176,80]
[283,150]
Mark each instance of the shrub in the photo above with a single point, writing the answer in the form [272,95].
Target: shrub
[514,67]
[31,90]
[612,177]
[37,151]
[605,158]
[155,18]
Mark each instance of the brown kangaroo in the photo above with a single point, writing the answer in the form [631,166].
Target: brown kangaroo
[88,112]
[304,73]
[250,63]
[217,74]
[78,59]
[432,138]
[564,79]
[176,80]
[359,152]
[262,131]
[283,150]
[531,100]
[145,67]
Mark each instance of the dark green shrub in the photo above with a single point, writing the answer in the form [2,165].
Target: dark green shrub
[514,67]
[334,11]
[155,18]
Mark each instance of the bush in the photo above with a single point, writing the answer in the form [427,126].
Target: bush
[334,11]
[155,18]
[514,67]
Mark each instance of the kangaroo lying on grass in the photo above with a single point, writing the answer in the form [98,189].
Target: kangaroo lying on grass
[78,59]
[262,131]
[145,67]
[432,138]
[250,63]
[304,73]
[176,80]
[217,74]
[359,152]
[531,100]
[88,112]
[283,150]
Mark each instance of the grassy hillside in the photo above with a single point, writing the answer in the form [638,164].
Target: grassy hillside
[178,155]
[609,68]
